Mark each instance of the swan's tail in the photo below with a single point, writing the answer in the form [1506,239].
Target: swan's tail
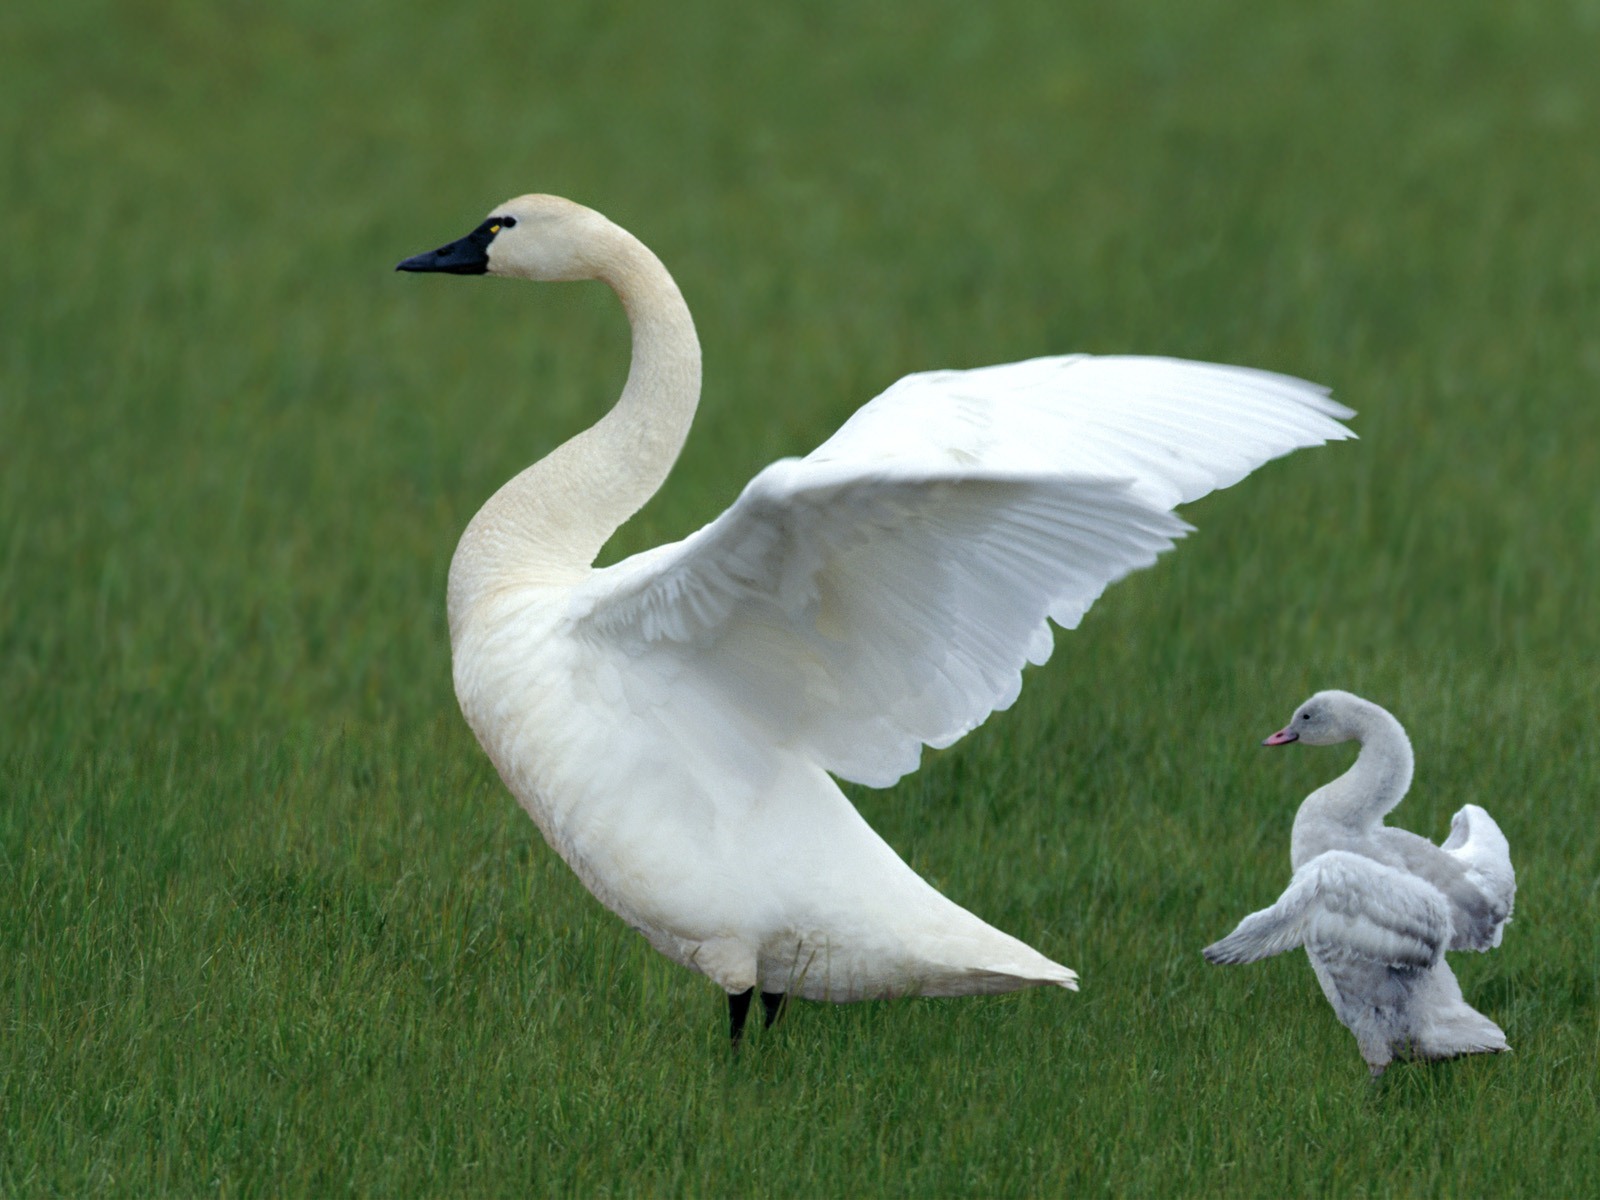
[1010,977]
[1467,1031]
[1476,840]
[982,959]
[820,977]
[1451,1026]
[987,961]
[963,957]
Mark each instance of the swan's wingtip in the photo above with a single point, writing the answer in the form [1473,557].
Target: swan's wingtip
[1220,954]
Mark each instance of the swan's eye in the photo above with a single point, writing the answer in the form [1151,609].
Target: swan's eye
[508,222]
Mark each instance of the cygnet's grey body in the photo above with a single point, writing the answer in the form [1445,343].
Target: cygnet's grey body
[1377,907]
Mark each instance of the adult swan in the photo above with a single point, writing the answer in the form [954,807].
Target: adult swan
[671,722]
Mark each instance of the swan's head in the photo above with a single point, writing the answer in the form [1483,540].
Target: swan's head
[531,237]
[1324,720]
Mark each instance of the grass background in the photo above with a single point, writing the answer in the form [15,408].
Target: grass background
[268,923]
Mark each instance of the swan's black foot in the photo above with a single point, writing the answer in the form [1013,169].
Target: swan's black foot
[772,1002]
[738,1012]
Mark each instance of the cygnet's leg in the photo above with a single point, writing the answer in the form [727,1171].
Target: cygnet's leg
[738,1012]
[772,1002]
[1377,1051]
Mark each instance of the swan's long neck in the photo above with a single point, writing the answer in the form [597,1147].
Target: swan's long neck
[548,523]
[1355,803]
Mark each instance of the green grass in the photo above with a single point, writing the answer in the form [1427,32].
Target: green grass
[269,925]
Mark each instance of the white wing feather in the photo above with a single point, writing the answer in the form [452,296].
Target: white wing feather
[1348,908]
[1176,429]
[1477,841]
[885,592]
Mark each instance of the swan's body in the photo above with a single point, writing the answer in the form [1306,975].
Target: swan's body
[671,722]
[1377,907]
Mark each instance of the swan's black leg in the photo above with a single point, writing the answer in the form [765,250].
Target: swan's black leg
[772,1002]
[738,1011]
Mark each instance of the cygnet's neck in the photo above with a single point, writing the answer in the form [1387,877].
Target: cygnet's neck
[547,524]
[1354,804]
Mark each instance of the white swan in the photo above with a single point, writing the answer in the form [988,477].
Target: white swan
[1377,907]
[671,722]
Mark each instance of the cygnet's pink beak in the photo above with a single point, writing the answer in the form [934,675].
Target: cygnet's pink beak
[1282,738]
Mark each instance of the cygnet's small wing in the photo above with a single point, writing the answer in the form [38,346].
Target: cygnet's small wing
[1472,870]
[1476,840]
[1350,908]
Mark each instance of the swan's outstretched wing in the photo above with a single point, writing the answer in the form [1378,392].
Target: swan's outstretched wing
[857,616]
[886,591]
[1176,429]
[1346,908]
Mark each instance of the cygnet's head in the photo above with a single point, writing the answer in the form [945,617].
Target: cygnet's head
[530,237]
[1324,720]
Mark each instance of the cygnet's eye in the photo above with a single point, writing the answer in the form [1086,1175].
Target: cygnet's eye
[1305,716]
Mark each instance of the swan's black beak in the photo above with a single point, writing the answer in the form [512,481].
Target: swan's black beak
[466,256]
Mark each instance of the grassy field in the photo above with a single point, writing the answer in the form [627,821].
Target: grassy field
[269,925]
